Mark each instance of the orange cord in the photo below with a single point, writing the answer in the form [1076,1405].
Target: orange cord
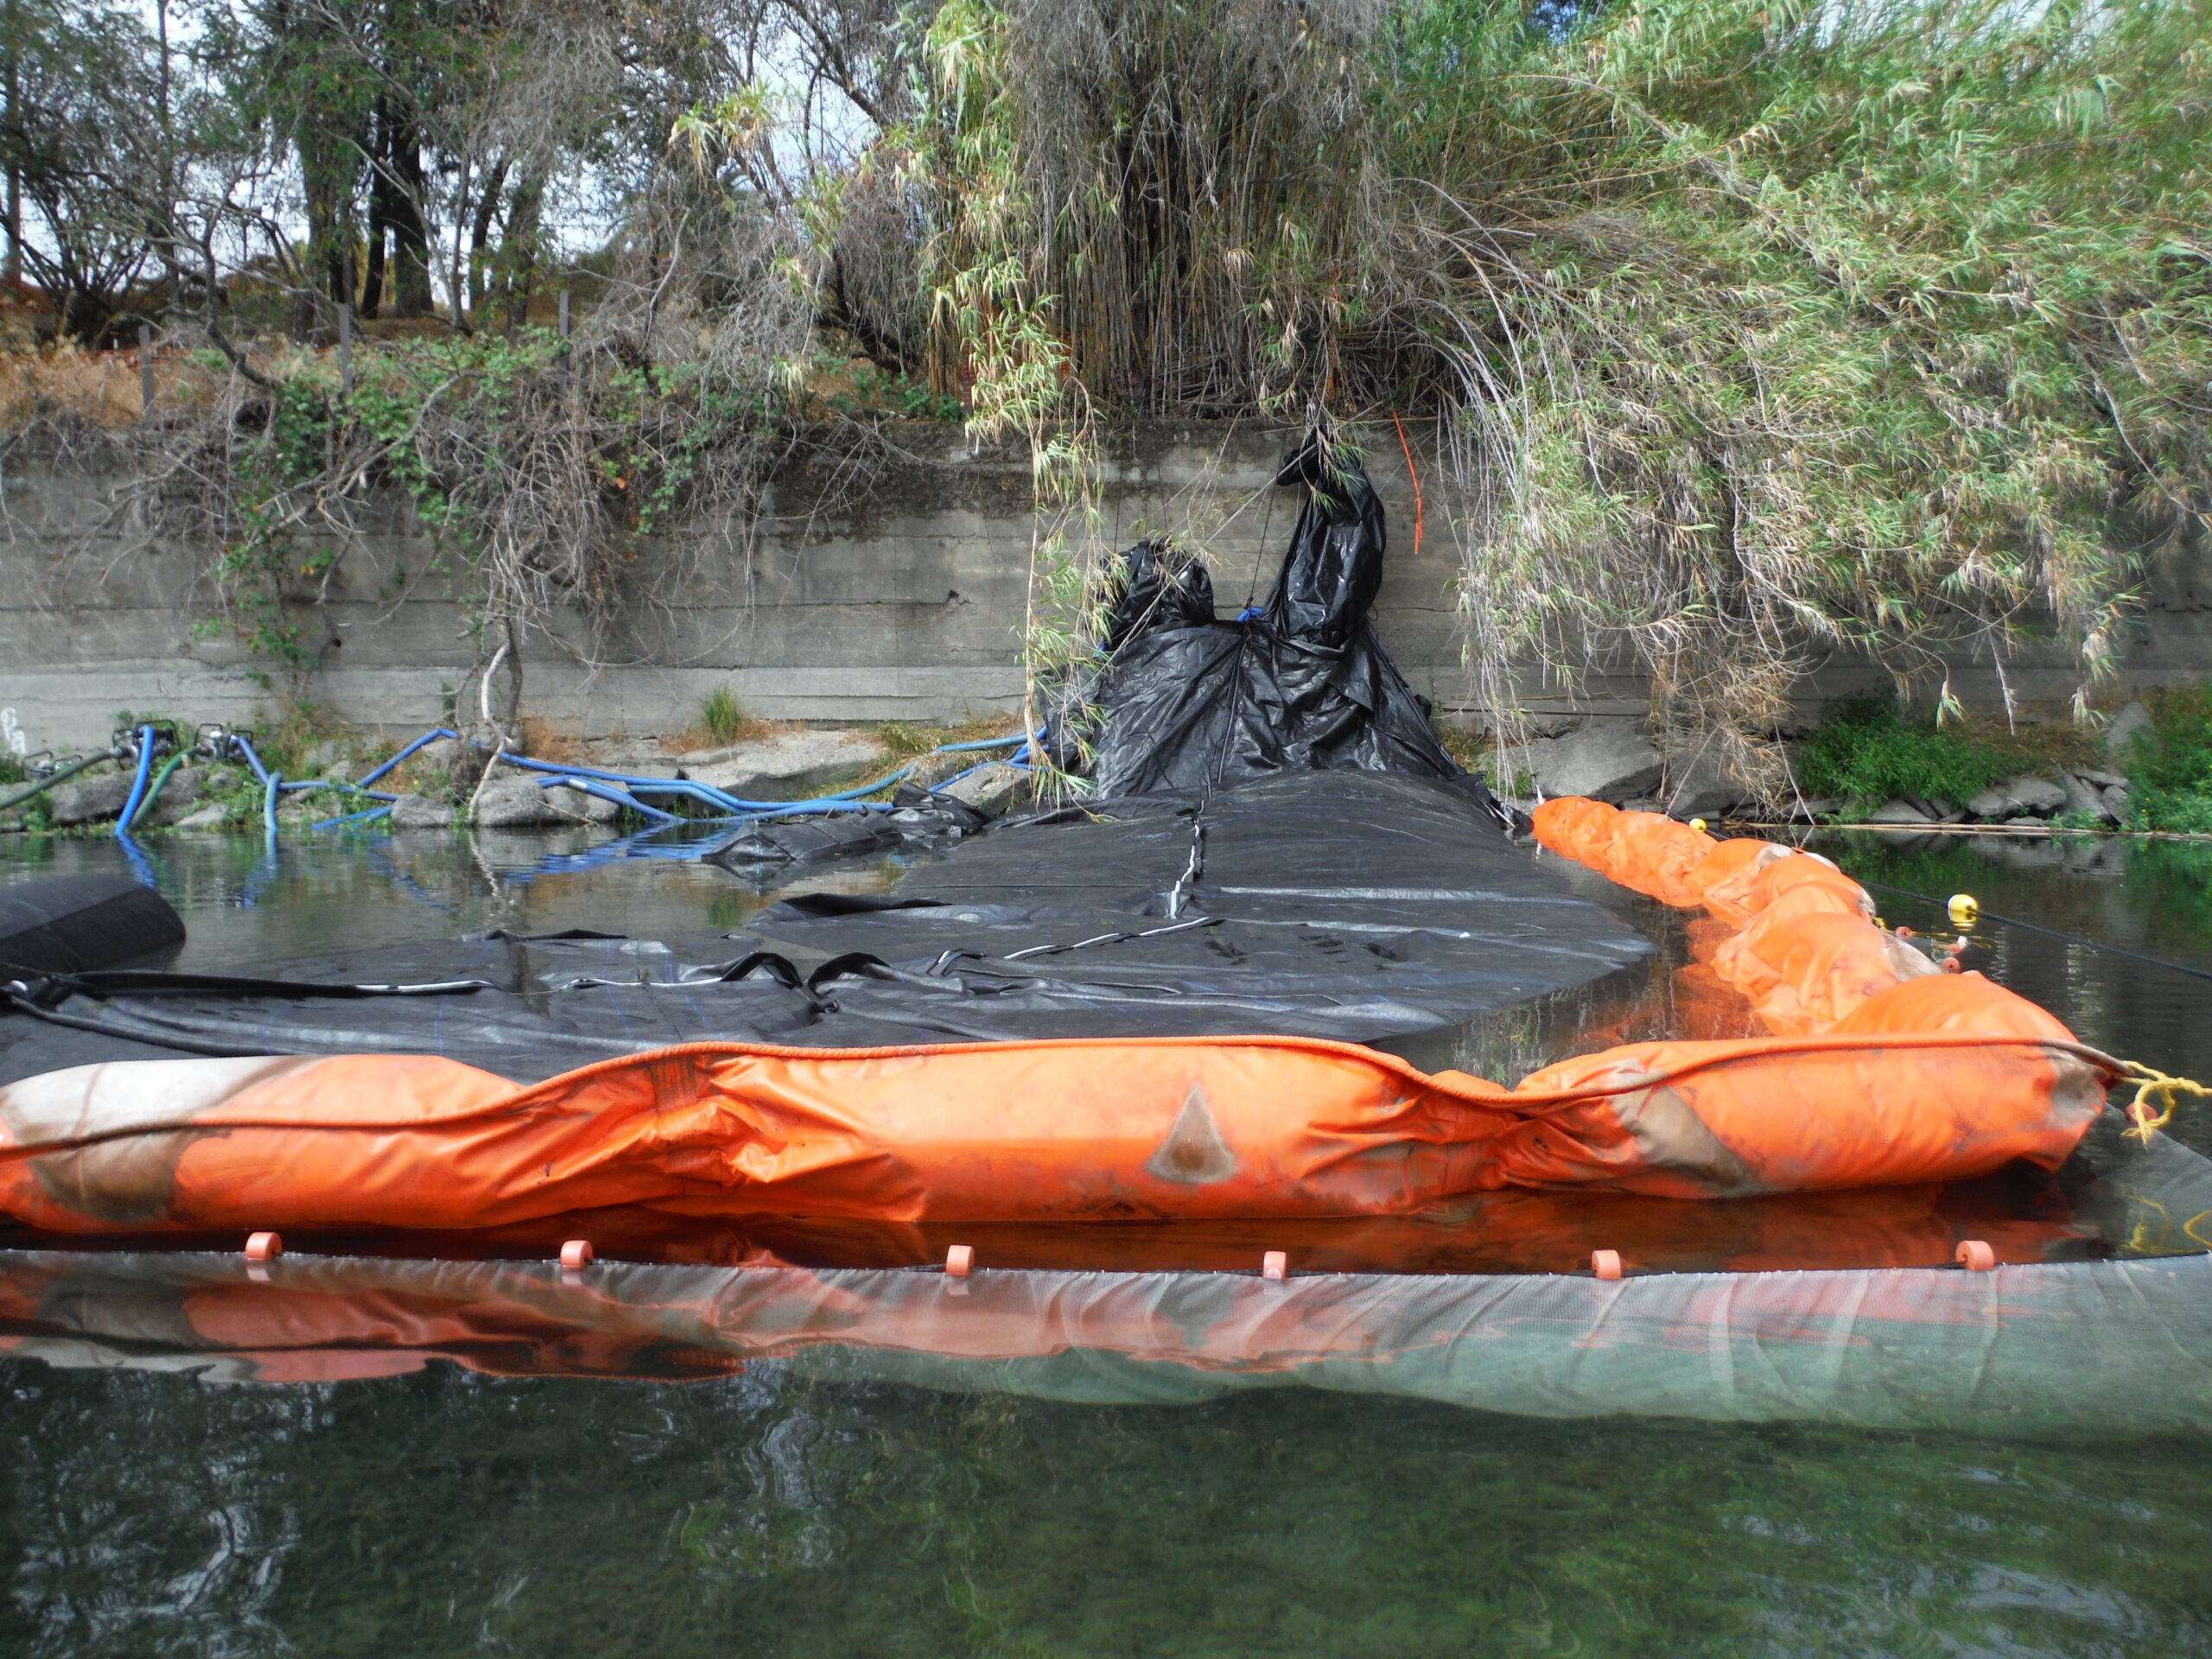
[1411,473]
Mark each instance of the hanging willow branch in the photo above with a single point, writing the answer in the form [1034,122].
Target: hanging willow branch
[1758,331]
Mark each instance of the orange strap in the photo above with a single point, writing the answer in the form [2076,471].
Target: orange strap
[1411,473]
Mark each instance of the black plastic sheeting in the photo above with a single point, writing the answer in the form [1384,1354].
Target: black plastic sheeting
[918,819]
[67,924]
[1356,906]
[1189,702]
[1275,841]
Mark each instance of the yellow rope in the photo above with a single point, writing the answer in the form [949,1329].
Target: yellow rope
[2151,1082]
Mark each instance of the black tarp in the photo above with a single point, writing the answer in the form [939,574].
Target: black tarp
[917,818]
[1274,843]
[1187,701]
[1359,905]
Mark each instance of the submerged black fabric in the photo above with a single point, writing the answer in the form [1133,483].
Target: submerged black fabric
[1358,905]
[918,819]
[69,924]
[1187,702]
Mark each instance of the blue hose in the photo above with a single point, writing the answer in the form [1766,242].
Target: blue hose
[245,748]
[607,793]
[428,737]
[890,777]
[137,784]
[730,804]
[632,787]
[141,867]
[270,784]
[339,785]
[357,817]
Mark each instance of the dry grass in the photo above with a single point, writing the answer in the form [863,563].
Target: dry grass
[752,729]
[905,740]
[98,388]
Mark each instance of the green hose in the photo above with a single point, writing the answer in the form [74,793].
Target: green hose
[153,791]
[61,777]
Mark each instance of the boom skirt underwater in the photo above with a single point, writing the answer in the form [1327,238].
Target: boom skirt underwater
[1882,1068]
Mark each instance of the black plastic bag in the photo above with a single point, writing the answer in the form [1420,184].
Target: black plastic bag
[1187,702]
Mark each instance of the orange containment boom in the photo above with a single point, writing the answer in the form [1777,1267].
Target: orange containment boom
[1881,1071]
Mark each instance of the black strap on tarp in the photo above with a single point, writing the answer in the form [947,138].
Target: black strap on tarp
[51,990]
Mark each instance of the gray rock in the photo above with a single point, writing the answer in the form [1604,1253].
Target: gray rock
[2128,724]
[420,812]
[2100,779]
[576,805]
[784,765]
[1898,812]
[2117,800]
[449,767]
[996,788]
[1607,761]
[2015,796]
[90,800]
[1945,811]
[517,803]
[2030,822]
[94,800]
[1700,790]
[179,797]
[1815,809]
[212,817]
[2084,799]
[327,757]
[1991,803]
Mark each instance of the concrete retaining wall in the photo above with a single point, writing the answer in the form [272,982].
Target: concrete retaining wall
[903,601]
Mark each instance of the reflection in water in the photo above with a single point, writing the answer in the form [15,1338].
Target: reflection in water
[801,1507]
[359,890]
[1993,1354]
[2028,1480]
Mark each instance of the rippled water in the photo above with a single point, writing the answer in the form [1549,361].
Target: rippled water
[797,1509]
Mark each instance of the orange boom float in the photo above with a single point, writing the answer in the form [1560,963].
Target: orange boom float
[1881,1068]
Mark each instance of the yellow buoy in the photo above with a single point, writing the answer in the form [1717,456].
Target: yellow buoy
[1964,908]
[1697,824]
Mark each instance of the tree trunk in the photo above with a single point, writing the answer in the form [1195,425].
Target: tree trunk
[410,225]
[379,210]
[516,266]
[328,170]
[479,233]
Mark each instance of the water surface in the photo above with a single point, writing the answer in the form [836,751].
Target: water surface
[794,1510]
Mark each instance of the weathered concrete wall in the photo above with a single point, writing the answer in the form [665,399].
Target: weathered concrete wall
[902,601]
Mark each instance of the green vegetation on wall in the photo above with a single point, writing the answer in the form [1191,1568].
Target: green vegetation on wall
[1757,328]
[2170,763]
[1866,752]
[1751,330]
